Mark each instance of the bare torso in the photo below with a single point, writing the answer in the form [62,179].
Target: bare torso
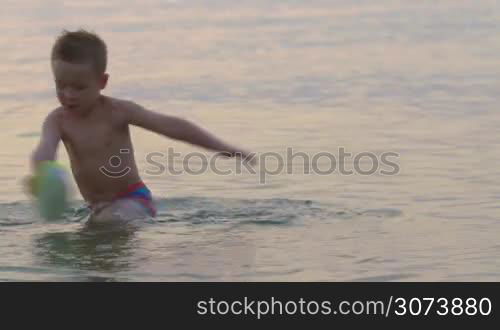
[100,150]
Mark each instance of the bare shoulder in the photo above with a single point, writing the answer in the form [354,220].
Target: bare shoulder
[54,117]
[124,109]
[122,104]
[56,113]
[133,113]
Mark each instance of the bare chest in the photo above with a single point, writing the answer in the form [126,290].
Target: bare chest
[89,138]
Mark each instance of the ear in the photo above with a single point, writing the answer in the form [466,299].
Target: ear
[104,80]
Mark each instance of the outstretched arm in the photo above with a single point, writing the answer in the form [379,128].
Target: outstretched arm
[179,129]
[49,141]
[45,150]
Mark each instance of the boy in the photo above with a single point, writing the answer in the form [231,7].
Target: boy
[94,128]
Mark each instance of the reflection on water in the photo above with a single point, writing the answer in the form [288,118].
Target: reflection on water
[106,250]
[202,239]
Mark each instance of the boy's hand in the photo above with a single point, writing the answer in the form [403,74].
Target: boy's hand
[29,185]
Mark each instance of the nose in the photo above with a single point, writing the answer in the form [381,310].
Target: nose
[68,94]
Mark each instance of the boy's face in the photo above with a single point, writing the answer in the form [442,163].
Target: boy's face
[78,85]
